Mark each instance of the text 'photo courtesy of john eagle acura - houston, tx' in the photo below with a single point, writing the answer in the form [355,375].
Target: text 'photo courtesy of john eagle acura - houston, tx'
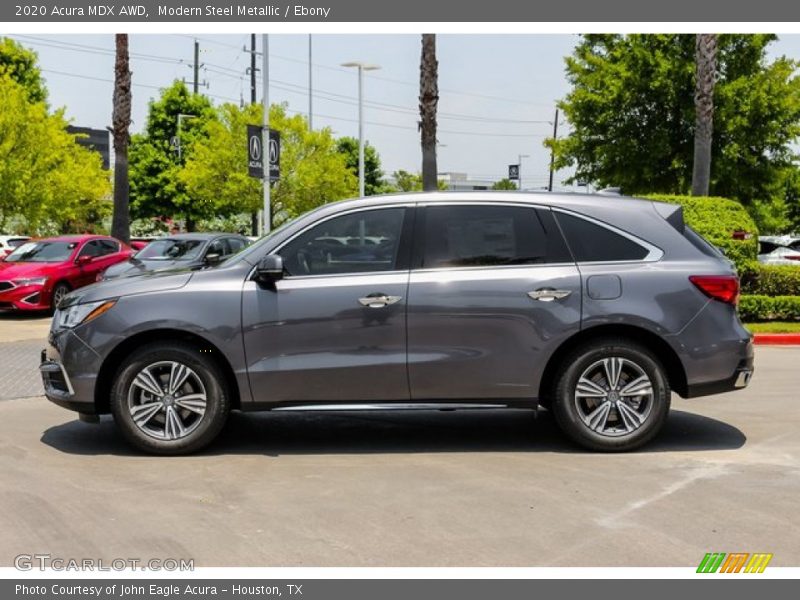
[595,307]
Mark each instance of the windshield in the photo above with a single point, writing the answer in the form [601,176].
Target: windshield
[42,252]
[171,250]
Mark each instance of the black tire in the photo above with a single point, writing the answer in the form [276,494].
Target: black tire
[205,379]
[59,291]
[632,360]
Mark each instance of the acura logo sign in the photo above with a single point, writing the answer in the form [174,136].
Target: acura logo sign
[255,147]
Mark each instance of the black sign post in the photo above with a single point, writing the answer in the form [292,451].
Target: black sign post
[255,153]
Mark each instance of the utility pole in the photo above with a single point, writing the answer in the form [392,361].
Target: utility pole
[196,66]
[310,88]
[265,133]
[553,153]
[252,68]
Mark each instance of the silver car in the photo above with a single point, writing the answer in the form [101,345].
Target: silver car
[594,306]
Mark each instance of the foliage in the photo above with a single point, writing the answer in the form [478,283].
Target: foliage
[20,64]
[504,184]
[773,280]
[373,175]
[313,171]
[156,187]
[48,183]
[404,181]
[716,219]
[631,113]
[769,308]
[774,327]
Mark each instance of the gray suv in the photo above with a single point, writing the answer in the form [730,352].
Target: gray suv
[596,307]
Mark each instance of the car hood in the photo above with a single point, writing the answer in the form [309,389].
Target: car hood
[134,267]
[16,270]
[157,281]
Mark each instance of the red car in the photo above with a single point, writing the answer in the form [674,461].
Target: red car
[39,273]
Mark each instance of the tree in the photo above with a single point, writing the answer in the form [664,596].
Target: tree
[631,112]
[313,171]
[428,101]
[158,155]
[504,184]
[20,64]
[412,182]
[121,119]
[373,175]
[48,183]
[706,73]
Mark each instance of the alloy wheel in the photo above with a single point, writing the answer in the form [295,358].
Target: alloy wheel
[614,396]
[167,400]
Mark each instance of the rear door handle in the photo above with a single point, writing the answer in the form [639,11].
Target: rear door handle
[549,294]
[378,300]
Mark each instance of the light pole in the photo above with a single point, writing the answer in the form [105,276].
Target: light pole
[519,169]
[361,66]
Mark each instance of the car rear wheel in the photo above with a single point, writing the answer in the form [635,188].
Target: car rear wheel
[169,398]
[61,290]
[611,395]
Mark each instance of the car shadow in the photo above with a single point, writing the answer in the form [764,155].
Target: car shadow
[276,434]
[24,315]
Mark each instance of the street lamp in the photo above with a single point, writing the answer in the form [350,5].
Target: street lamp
[177,144]
[519,169]
[361,66]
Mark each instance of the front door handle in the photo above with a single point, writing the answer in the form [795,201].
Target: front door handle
[378,300]
[549,294]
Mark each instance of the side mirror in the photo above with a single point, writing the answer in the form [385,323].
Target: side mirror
[213,258]
[269,269]
[83,260]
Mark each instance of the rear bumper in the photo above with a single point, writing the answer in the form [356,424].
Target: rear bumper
[738,380]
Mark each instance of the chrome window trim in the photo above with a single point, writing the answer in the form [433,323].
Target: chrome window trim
[654,253]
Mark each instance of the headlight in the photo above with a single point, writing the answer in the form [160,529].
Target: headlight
[30,281]
[76,314]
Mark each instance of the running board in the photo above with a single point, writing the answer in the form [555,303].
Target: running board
[389,406]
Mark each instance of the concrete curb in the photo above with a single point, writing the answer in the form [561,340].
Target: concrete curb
[776,339]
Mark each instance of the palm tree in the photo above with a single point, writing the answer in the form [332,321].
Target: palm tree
[120,223]
[428,100]
[706,65]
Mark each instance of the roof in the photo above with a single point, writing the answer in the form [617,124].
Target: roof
[197,236]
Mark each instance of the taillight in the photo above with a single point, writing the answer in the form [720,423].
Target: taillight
[793,256]
[724,288]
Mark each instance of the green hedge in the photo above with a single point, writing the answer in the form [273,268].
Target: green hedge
[769,308]
[772,280]
[716,219]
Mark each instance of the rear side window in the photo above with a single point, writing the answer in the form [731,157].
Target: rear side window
[477,236]
[590,242]
[702,244]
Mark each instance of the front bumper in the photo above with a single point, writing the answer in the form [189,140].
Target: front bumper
[22,298]
[69,368]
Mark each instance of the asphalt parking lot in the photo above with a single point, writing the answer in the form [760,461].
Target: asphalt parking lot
[495,488]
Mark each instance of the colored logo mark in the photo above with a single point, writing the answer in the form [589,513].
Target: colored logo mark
[734,562]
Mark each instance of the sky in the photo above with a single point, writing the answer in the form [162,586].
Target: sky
[498,93]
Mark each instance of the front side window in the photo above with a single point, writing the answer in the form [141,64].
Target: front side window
[477,236]
[360,242]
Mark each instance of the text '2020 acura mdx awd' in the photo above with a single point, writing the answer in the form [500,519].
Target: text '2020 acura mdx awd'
[595,306]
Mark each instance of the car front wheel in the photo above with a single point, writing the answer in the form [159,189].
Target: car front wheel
[611,395]
[169,398]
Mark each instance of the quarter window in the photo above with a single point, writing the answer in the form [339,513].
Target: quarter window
[359,242]
[591,242]
[467,236]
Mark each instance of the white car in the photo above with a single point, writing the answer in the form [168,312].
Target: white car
[9,242]
[779,250]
